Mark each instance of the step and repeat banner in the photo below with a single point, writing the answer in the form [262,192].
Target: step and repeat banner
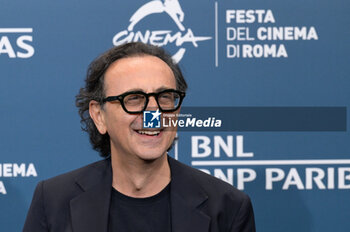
[266,109]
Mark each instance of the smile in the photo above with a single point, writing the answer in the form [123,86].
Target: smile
[147,132]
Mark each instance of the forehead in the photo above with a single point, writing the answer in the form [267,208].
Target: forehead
[147,73]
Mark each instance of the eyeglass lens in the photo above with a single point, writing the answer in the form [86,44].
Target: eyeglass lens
[137,102]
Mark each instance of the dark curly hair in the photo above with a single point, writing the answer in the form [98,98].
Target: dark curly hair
[94,86]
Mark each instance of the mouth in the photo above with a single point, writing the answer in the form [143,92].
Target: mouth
[148,132]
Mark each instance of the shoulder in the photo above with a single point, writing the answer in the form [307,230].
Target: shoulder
[211,185]
[68,184]
[72,176]
[230,208]
[51,199]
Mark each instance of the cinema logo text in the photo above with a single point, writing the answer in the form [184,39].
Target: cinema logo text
[226,159]
[160,37]
[16,42]
[15,170]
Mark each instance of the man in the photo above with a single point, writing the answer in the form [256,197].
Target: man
[137,187]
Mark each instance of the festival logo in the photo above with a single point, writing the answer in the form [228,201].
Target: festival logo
[160,37]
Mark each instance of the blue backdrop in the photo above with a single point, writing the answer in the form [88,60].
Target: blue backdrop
[234,53]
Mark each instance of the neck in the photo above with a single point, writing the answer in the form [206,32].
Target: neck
[140,178]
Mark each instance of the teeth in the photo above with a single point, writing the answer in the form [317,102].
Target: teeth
[148,132]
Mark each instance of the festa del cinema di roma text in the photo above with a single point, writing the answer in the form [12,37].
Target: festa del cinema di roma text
[15,170]
[242,39]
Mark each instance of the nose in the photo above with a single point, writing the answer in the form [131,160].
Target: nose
[152,103]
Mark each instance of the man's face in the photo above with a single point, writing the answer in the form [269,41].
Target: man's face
[142,73]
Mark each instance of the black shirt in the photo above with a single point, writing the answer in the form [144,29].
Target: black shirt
[151,214]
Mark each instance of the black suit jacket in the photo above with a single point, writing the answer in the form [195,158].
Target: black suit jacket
[78,201]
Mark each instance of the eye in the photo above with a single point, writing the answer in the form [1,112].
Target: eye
[133,99]
[168,100]
[167,96]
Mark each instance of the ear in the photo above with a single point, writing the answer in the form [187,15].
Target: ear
[97,114]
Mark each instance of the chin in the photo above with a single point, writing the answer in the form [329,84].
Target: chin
[151,155]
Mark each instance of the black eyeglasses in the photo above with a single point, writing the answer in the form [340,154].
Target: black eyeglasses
[135,102]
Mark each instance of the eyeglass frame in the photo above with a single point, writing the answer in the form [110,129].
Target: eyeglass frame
[121,97]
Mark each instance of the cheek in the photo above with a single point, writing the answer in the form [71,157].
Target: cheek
[170,134]
[118,121]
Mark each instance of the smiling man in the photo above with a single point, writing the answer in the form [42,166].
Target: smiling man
[137,186]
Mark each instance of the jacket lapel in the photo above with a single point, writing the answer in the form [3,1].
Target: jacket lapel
[90,209]
[187,197]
